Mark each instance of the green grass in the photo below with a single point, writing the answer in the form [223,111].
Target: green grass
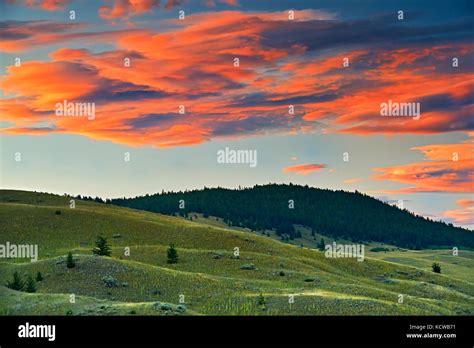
[207,274]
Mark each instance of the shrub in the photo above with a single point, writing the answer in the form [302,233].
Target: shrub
[172,254]
[57,212]
[102,247]
[181,308]
[436,267]
[70,263]
[17,283]
[282,274]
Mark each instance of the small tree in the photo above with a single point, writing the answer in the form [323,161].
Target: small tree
[70,263]
[172,254]
[261,301]
[102,248]
[17,283]
[39,277]
[30,284]
[436,267]
[321,245]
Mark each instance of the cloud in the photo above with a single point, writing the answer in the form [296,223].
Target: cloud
[450,168]
[353,181]
[49,5]
[191,63]
[304,169]
[462,216]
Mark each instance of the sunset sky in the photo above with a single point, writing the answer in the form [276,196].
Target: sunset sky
[428,163]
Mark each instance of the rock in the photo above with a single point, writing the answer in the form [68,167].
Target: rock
[110,281]
[248,266]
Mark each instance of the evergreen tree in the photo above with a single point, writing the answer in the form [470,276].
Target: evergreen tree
[172,254]
[321,245]
[261,301]
[39,277]
[17,283]
[30,284]
[70,263]
[102,248]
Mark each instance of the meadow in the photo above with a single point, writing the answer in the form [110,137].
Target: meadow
[268,277]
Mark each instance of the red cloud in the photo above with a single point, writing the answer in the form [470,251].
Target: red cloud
[451,169]
[192,64]
[462,216]
[50,5]
[304,169]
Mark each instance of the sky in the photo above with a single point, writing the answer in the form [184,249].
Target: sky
[302,83]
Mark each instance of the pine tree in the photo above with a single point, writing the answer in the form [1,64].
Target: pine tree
[70,263]
[321,245]
[39,277]
[30,284]
[261,301]
[172,254]
[17,283]
[102,248]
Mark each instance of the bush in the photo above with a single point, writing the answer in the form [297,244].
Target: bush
[172,254]
[70,263]
[102,247]
[282,274]
[57,212]
[17,283]
[181,308]
[436,267]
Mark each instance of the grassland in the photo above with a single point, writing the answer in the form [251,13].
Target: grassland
[208,277]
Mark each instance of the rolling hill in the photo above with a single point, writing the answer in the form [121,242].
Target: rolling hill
[209,278]
[338,214]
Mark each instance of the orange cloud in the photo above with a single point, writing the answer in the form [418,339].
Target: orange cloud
[304,169]
[353,180]
[462,216]
[192,63]
[50,5]
[444,172]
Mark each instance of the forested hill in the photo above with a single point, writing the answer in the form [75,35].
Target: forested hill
[340,214]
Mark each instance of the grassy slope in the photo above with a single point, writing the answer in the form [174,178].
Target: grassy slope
[210,285]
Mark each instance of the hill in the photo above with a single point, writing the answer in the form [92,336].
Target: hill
[338,214]
[209,278]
